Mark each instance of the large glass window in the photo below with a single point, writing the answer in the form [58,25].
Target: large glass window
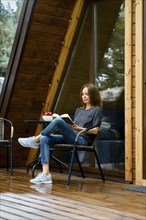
[98,56]
[110,80]
[9,16]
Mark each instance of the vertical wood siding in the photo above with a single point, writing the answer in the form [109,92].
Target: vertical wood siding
[43,44]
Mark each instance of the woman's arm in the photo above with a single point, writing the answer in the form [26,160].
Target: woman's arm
[91,131]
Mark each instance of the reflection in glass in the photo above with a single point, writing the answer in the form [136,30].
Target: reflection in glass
[110,74]
[78,69]
[110,81]
[9,16]
[109,77]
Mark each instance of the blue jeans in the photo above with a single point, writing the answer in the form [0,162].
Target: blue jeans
[66,136]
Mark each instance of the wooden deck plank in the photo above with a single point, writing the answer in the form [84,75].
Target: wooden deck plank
[40,206]
[46,206]
[29,213]
[84,199]
[8,215]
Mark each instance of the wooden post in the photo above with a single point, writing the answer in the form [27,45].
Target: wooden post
[128,91]
[139,93]
[60,66]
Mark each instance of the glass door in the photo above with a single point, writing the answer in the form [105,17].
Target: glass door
[98,57]
[110,81]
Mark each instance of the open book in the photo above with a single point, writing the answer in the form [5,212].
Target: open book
[65,117]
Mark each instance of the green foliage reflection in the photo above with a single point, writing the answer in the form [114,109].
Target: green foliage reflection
[8,24]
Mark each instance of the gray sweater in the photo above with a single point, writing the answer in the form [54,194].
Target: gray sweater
[87,118]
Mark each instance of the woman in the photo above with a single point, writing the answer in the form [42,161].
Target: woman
[89,115]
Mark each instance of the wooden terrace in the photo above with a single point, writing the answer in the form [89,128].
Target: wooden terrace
[87,198]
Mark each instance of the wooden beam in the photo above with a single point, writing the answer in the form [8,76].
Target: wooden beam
[60,66]
[128,91]
[139,93]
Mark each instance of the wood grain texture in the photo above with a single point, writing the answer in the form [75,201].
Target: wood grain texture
[83,199]
[43,42]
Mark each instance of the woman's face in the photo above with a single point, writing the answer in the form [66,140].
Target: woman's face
[85,96]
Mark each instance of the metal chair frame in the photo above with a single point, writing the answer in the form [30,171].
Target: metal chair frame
[7,143]
[74,149]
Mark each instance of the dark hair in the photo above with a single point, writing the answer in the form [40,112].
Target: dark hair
[94,95]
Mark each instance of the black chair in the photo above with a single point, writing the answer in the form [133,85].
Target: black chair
[6,138]
[74,149]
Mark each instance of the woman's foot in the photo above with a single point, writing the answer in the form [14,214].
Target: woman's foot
[28,142]
[42,178]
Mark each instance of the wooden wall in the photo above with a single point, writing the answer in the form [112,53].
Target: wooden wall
[133,88]
[139,101]
[43,45]
[134,91]
[49,24]
[130,84]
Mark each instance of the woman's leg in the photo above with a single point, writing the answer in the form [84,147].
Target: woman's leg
[45,144]
[37,138]
[57,124]
[60,125]
[64,129]
[47,141]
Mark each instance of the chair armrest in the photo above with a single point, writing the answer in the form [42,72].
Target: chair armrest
[12,131]
[79,133]
[12,128]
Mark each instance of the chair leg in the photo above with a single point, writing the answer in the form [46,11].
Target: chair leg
[33,169]
[31,163]
[59,162]
[79,164]
[70,166]
[7,158]
[11,160]
[98,162]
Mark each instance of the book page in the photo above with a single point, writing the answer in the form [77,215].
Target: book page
[55,115]
[65,117]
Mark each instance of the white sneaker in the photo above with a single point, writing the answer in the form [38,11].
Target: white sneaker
[41,178]
[28,142]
